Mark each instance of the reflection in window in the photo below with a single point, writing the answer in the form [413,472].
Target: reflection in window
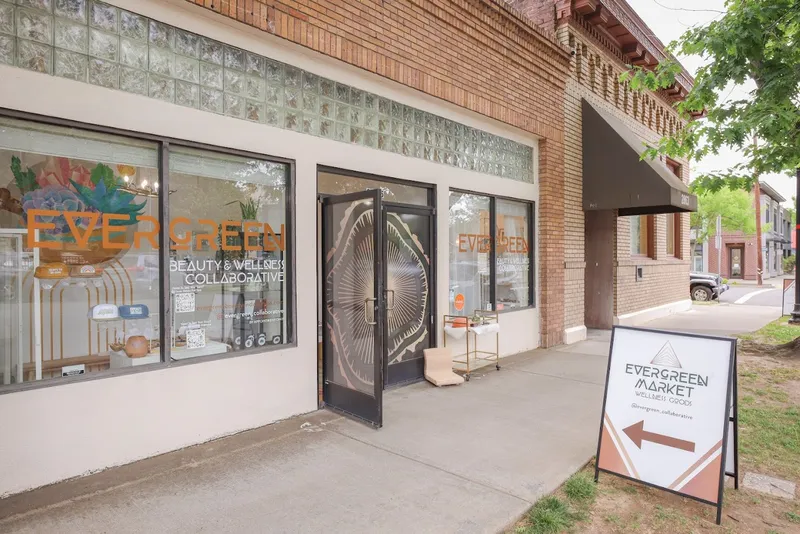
[513,255]
[78,233]
[228,270]
[470,248]
[341,184]
[671,236]
[640,234]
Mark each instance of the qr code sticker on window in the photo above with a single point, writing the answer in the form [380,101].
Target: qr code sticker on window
[184,303]
[196,339]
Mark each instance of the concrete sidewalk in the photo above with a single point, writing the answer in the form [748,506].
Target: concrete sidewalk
[471,458]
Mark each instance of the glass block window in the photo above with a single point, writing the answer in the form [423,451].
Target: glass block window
[103,45]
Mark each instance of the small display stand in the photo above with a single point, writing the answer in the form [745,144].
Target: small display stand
[210,347]
[117,359]
[481,323]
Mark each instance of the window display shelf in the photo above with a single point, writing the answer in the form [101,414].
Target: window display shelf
[90,363]
[15,264]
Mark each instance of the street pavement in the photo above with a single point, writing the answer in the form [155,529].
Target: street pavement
[469,458]
[718,319]
[770,294]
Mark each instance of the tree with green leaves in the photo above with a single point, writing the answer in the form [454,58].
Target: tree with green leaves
[753,43]
[735,207]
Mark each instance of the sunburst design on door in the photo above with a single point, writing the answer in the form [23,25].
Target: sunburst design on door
[407,282]
[348,285]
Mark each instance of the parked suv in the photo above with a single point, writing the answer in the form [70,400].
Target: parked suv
[705,287]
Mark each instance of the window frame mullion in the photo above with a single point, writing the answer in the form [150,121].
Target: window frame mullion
[165,302]
[493,252]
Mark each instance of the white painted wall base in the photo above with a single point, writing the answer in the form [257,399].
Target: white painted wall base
[574,334]
[649,314]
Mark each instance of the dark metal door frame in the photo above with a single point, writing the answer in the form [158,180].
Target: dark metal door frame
[740,248]
[338,397]
[410,371]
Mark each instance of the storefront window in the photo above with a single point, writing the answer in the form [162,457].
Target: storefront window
[80,252]
[228,259]
[78,234]
[470,248]
[513,254]
[473,275]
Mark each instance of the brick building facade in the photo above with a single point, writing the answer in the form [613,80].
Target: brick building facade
[483,56]
[298,117]
[424,153]
[745,250]
[605,36]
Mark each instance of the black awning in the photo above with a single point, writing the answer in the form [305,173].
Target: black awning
[616,178]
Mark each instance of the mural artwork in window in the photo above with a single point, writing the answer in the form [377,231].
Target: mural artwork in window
[78,252]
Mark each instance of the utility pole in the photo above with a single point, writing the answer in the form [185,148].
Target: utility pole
[718,243]
[795,319]
[760,253]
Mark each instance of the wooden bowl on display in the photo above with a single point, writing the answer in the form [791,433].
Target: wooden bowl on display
[137,347]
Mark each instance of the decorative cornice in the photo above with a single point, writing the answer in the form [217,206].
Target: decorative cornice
[632,22]
[625,34]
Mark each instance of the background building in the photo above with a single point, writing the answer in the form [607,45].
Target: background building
[739,255]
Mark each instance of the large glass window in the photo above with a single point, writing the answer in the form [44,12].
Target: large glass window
[489,273]
[470,248]
[82,256]
[78,237]
[513,256]
[228,263]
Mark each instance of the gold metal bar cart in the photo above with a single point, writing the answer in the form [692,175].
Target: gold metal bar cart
[479,318]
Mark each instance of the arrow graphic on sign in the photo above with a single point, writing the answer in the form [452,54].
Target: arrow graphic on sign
[637,433]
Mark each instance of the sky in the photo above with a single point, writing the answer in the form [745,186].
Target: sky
[668,19]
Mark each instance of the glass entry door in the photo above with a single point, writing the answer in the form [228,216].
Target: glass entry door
[737,262]
[407,271]
[353,304]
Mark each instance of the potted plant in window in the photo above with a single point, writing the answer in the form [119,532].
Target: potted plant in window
[249,211]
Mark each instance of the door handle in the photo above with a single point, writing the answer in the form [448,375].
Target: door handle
[366,306]
[389,308]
